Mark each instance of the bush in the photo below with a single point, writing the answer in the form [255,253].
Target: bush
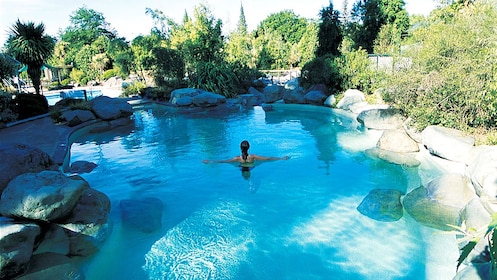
[109,74]
[355,69]
[322,70]
[30,105]
[135,88]
[217,78]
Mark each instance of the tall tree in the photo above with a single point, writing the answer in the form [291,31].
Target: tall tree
[29,44]
[241,27]
[330,33]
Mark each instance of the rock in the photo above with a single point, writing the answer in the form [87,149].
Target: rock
[330,101]
[208,99]
[82,167]
[44,196]
[184,101]
[381,119]
[397,141]
[350,97]
[382,205]
[182,92]
[76,117]
[475,271]
[482,170]
[52,266]
[250,100]
[22,159]
[54,240]
[447,143]
[108,108]
[403,159]
[16,246]
[88,226]
[292,84]
[273,93]
[142,214]
[315,97]
[295,96]
[439,203]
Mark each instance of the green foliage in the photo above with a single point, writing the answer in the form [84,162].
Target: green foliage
[330,32]
[30,105]
[78,76]
[29,44]
[218,78]
[135,88]
[356,72]
[8,68]
[7,108]
[168,66]
[109,74]
[452,80]
[322,70]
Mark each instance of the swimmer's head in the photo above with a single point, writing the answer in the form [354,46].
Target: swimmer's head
[244,146]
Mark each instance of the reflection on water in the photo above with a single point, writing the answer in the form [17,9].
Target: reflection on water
[293,219]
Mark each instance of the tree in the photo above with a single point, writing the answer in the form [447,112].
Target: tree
[241,26]
[29,44]
[368,17]
[8,68]
[330,32]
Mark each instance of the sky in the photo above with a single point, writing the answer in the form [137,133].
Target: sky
[129,19]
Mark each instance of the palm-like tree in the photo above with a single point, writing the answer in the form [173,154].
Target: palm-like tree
[28,44]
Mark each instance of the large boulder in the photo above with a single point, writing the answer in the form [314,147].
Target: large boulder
[381,119]
[397,141]
[75,117]
[81,166]
[439,204]
[16,246]
[44,196]
[315,97]
[447,143]
[52,266]
[208,99]
[21,159]
[382,205]
[404,159]
[89,225]
[273,93]
[482,170]
[142,214]
[54,240]
[108,108]
[294,96]
[350,97]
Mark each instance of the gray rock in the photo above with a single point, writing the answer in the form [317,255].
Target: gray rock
[397,141]
[108,108]
[295,96]
[16,246]
[403,159]
[182,92]
[77,117]
[382,205]
[184,101]
[19,159]
[447,143]
[45,196]
[475,271]
[82,167]
[273,93]
[439,203]
[292,84]
[482,170]
[350,97]
[52,266]
[381,119]
[250,100]
[315,97]
[54,240]
[208,99]
[89,224]
[330,101]
[142,214]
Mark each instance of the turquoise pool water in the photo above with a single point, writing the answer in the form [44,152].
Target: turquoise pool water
[293,219]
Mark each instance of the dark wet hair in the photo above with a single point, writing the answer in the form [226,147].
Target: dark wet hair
[244,146]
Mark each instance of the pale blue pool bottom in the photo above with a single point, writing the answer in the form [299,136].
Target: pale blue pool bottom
[294,219]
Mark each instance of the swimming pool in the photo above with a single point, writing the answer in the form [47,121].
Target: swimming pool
[294,219]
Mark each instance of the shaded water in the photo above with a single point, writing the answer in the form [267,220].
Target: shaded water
[294,219]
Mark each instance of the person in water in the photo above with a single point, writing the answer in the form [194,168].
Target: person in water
[245,159]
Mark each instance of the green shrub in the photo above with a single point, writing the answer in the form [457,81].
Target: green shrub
[356,71]
[135,88]
[30,105]
[109,74]
[77,76]
[322,70]
[217,78]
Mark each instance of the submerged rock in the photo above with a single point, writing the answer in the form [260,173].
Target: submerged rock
[142,214]
[403,159]
[82,167]
[52,266]
[382,205]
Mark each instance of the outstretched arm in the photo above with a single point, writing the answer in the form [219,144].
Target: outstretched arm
[235,159]
[256,157]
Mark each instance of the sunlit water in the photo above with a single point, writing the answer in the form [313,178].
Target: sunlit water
[294,219]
